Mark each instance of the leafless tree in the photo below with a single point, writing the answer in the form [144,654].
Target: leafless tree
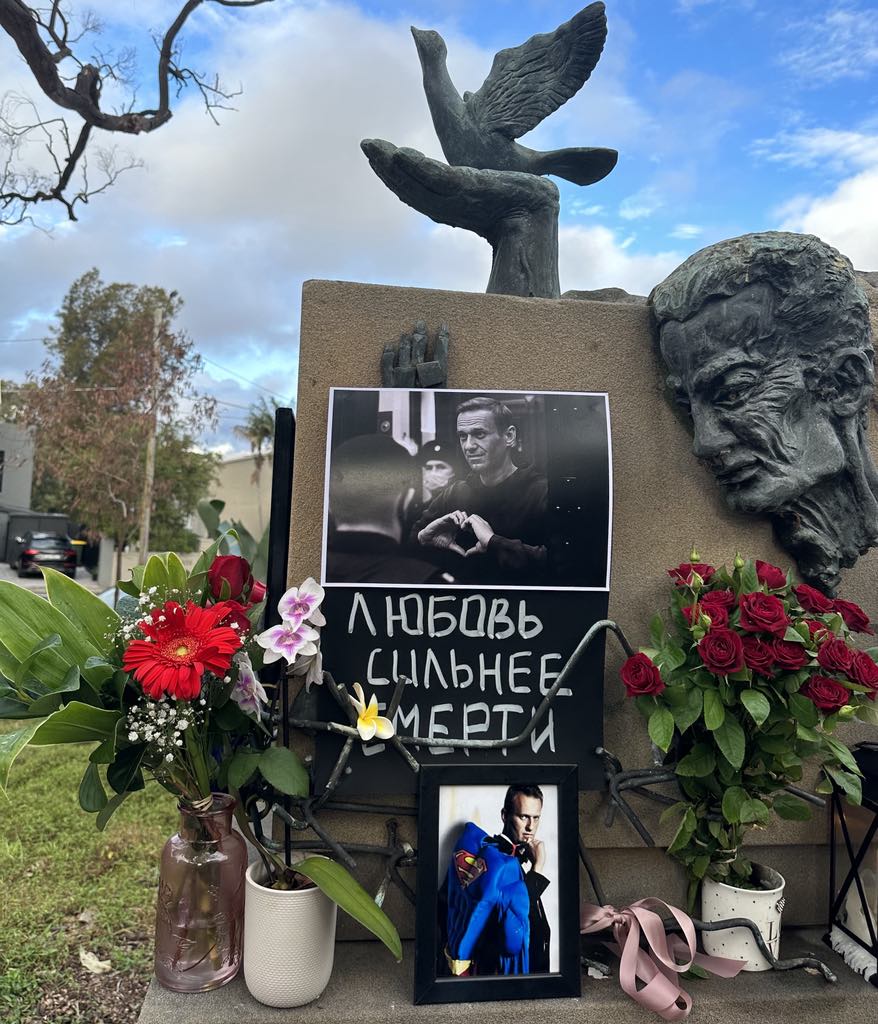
[51,41]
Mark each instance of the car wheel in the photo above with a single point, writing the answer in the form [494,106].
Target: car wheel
[21,573]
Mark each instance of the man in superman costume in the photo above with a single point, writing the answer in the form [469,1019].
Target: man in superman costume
[492,912]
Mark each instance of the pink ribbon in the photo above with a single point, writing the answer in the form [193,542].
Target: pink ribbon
[667,956]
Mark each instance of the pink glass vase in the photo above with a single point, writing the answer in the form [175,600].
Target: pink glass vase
[200,909]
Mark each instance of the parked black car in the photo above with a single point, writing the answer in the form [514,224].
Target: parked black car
[39,549]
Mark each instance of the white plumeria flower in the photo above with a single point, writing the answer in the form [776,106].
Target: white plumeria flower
[369,723]
[302,604]
[287,641]
[248,693]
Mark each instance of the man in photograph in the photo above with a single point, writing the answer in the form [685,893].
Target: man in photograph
[495,519]
[495,923]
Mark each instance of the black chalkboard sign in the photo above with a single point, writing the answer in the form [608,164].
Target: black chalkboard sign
[466,548]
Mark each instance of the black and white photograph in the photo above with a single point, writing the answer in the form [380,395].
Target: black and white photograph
[487,489]
[496,865]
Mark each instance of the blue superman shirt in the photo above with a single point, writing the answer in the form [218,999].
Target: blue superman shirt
[488,906]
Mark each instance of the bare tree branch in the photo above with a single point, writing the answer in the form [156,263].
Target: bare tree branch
[44,40]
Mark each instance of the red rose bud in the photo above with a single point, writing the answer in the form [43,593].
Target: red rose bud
[684,572]
[234,570]
[723,598]
[716,615]
[815,627]
[722,652]
[790,655]
[854,616]
[773,577]
[257,592]
[865,672]
[835,656]
[640,677]
[763,613]
[758,655]
[812,600]
[827,694]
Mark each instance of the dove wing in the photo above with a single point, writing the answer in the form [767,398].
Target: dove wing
[529,82]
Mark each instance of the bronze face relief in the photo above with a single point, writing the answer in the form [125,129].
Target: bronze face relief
[768,345]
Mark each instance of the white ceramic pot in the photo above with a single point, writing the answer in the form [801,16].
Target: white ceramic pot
[762,906]
[289,942]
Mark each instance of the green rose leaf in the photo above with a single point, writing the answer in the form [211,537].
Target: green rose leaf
[753,811]
[793,636]
[790,807]
[849,784]
[756,704]
[749,577]
[803,710]
[700,761]
[684,832]
[353,899]
[714,710]
[657,630]
[661,728]
[284,771]
[733,800]
[686,705]
[730,739]
[868,713]
[842,753]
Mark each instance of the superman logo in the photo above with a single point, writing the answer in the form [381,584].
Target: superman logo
[468,867]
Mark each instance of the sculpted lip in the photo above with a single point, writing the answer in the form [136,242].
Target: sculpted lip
[737,474]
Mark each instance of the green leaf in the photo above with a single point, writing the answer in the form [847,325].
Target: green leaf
[110,809]
[11,745]
[868,713]
[76,723]
[284,771]
[661,728]
[749,577]
[756,704]
[155,574]
[696,971]
[790,807]
[730,739]
[848,783]
[700,865]
[686,706]
[672,655]
[657,630]
[50,702]
[124,774]
[842,753]
[342,888]
[242,766]
[26,667]
[83,608]
[803,710]
[714,710]
[128,587]
[684,832]
[177,575]
[753,811]
[793,636]
[700,761]
[733,799]
[26,619]
[669,812]
[807,734]
[91,791]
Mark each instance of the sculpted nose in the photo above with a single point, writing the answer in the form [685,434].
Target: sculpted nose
[711,436]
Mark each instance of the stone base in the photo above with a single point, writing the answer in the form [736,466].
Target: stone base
[366,986]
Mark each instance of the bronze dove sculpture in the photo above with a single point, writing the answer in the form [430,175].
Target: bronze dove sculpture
[491,184]
[525,85]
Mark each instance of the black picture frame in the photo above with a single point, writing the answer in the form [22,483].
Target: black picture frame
[447,790]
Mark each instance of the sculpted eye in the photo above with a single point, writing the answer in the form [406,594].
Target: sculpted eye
[733,394]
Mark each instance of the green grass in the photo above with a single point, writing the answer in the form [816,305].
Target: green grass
[55,865]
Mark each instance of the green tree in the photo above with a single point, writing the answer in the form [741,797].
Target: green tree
[183,477]
[116,368]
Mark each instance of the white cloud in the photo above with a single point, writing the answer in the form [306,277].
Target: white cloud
[687,231]
[835,149]
[593,257]
[846,218]
[641,204]
[833,44]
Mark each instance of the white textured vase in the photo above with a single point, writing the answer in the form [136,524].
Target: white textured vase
[289,942]
[762,906]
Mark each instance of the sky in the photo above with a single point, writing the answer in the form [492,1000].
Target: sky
[729,116]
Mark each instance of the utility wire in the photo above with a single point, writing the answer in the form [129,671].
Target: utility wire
[246,380]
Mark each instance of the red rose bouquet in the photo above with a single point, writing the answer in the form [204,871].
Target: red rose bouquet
[750,681]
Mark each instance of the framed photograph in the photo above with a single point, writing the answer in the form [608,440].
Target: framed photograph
[480,489]
[498,883]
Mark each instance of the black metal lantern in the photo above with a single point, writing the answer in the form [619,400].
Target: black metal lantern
[853,872]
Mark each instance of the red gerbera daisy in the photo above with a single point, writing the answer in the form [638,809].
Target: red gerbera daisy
[182,644]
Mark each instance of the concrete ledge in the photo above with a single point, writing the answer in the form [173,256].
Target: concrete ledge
[366,986]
